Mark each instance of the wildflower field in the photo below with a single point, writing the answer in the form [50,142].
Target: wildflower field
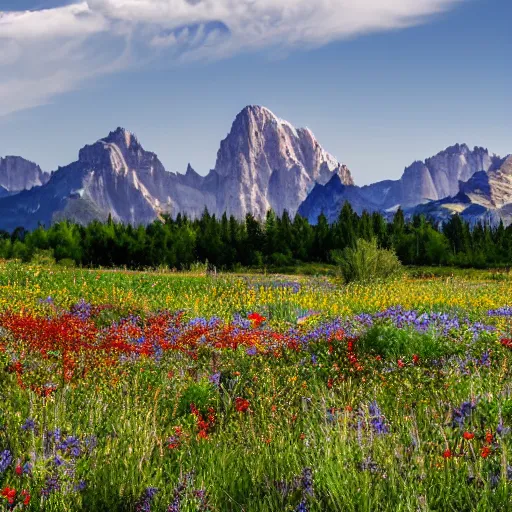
[125,391]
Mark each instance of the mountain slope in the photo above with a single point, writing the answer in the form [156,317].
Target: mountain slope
[263,163]
[266,163]
[434,179]
[485,197]
[17,174]
[114,176]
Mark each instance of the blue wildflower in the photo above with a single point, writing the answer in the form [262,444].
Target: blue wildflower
[82,310]
[29,425]
[57,461]
[485,360]
[307,482]
[251,351]
[27,468]
[302,507]
[460,414]
[215,379]
[377,420]
[52,484]
[144,503]
[70,444]
[5,460]
[80,486]
[90,443]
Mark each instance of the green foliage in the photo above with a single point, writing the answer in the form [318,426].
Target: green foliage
[43,257]
[366,262]
[67,263]
[273,242]
[201,394]
[391,342]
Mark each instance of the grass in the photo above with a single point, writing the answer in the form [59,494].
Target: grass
[314,408]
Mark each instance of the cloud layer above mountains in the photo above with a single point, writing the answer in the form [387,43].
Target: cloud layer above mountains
[51,51]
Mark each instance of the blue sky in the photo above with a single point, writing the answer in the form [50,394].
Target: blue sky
[380,82]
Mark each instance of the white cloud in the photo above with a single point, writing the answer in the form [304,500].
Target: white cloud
[47,52]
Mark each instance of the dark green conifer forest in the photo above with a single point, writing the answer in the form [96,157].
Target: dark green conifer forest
[277,241]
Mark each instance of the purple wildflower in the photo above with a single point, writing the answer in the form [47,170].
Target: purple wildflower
[377,419]
[82,310]
[302,507]
[27,468]
[460,414]
[5,460]
[29,425]
[52,484]
[501,430]
[215,379]
[144,503]
[80,486]
[307,482]
[71,444]
[57,461]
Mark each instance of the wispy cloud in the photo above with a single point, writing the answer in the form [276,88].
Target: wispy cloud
[47,52]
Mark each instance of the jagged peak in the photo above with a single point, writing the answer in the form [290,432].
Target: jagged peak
[463,148]
[256,109]
[456,148]
[506,166]
[122,136]
[13,160]
[264,114]
[191,171]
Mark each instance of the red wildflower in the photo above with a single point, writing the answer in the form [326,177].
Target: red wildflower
[488,437]
[256,319]
[447,453]
[9,494]
[26,497]
[486,451]
[202,424]
[400,363]
[241,404]
[468,436]
[174,441]
[19,470]
[506,342]
[202,434]
[415,359]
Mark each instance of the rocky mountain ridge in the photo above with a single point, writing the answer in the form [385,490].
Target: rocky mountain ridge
[485,197]
[17,174]
[431,180]
[263,163]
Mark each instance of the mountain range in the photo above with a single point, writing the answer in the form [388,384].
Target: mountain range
[425,186]
[263,163]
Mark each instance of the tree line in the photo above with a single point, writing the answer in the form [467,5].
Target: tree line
[228,243]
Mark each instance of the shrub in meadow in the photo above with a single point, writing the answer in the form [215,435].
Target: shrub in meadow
[366,262]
